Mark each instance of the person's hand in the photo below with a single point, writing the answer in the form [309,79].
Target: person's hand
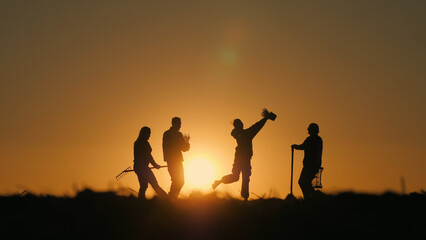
[268,115]
[186,137]
[265,113]
[156,166]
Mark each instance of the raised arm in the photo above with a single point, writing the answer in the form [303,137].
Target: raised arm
[255,128]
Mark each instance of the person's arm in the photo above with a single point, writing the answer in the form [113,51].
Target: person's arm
[299,147]
[318,157]
[164,147]
[152,161]
[149,156]
[184,142]
[255,128]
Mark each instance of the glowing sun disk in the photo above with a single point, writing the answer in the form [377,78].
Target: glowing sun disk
[199,173]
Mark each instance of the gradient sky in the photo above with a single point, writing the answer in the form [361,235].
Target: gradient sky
[78,79]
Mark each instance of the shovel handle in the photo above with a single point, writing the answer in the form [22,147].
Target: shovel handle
[291,181]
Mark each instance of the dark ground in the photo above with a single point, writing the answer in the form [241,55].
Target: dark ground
[105,215]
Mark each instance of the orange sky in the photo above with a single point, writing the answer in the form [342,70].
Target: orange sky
[79,79]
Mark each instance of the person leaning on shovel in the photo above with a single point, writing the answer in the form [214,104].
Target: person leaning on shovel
[312,147]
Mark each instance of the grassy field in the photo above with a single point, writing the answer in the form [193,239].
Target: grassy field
[106,215]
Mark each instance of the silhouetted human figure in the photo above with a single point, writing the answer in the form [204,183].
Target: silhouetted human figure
[312,160]
[243,153]
[174,143]
[142,158]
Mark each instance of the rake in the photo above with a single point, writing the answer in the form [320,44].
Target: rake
[129,169]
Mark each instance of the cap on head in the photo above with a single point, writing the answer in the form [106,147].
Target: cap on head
[313,128]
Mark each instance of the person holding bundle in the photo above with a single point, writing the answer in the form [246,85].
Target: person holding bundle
[174,143]
[244,152]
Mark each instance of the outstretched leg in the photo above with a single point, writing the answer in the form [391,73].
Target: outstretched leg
[226,179]
[160,192]
[154,184]
[233,177]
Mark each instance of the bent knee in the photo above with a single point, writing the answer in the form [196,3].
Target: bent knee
[235,177]
[231,178]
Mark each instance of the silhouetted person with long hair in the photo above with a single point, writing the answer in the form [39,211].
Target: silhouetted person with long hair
[142,158]
[174,143]
[243,153]
[312,160]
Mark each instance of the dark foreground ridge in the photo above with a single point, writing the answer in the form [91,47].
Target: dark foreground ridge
[105,215]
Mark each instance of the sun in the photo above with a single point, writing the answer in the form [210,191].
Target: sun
[199,173]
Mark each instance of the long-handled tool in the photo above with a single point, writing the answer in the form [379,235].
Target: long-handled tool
[291,196]
[291,181]
[129,169]
[316,182]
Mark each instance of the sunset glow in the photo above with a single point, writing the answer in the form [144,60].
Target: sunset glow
[199,173]
[79,79]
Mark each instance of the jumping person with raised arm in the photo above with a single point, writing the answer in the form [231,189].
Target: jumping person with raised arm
[243,153]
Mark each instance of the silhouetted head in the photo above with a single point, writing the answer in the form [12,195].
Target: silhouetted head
[176,123]
[238,124]
[145,133]
[313,129]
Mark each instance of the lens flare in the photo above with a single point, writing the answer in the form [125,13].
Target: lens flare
[229,56]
